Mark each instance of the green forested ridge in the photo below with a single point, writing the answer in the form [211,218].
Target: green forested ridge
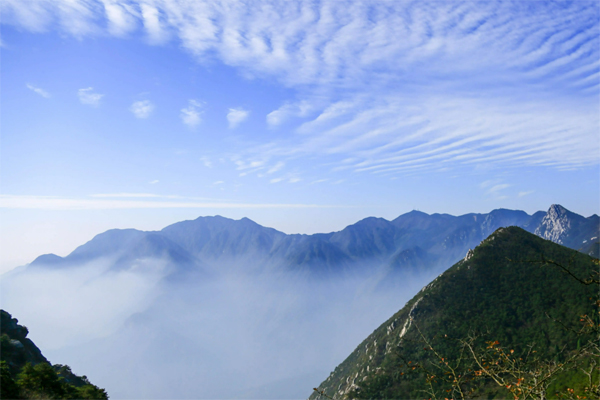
[508,309]
[26,374]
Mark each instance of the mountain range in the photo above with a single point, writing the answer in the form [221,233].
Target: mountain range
[232,309]
[414,240]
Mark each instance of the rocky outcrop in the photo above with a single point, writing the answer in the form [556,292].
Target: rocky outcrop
[562,226]
[555,226]
[17,349]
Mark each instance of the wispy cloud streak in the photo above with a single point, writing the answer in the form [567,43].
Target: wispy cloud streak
[38,90]
[396,134]
[341,40]
[394,86]
[344,40]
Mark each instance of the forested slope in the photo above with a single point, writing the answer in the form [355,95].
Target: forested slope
[505,304]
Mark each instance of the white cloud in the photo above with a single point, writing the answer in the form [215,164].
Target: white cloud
[75,17]
[395,86]
[343,42]
[235,116]
[154,182]
[276,167]
[156,30]
[33,17]
[283,113]
[497,188]
[393,134]
[527,193]
[249,165]
[192,114]
[87,96]
[278,116]
[142,108]
[122,17]
[39,91]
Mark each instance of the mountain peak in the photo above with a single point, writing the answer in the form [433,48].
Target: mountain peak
[411,218]
[555,224]
[559,224]
[211,218]
[416,212]
[469,297]
[557,210]
[372,221]
[47,259]
[248,221]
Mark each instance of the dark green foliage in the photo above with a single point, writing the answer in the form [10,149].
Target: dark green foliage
[592,249]
[26,374]
[64,371]
[504,295]
[91,392]
[40,381]
[8,387]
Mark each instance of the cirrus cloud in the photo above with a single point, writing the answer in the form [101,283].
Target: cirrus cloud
[347,42]
[394,87]
[38,90]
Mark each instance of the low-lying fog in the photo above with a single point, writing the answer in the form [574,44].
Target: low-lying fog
[141,333]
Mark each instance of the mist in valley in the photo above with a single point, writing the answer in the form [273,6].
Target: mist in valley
[223,330]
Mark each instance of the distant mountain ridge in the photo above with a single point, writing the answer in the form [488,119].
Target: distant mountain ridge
[410,242]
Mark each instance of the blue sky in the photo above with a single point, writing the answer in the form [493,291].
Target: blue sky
[305,116]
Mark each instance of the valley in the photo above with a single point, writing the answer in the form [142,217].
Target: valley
[231,309]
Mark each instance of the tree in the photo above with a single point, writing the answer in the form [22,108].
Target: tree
[40,381]
[527,375]
[479,365]
[8,387]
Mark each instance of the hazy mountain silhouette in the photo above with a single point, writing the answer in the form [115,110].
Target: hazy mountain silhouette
[413,240]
